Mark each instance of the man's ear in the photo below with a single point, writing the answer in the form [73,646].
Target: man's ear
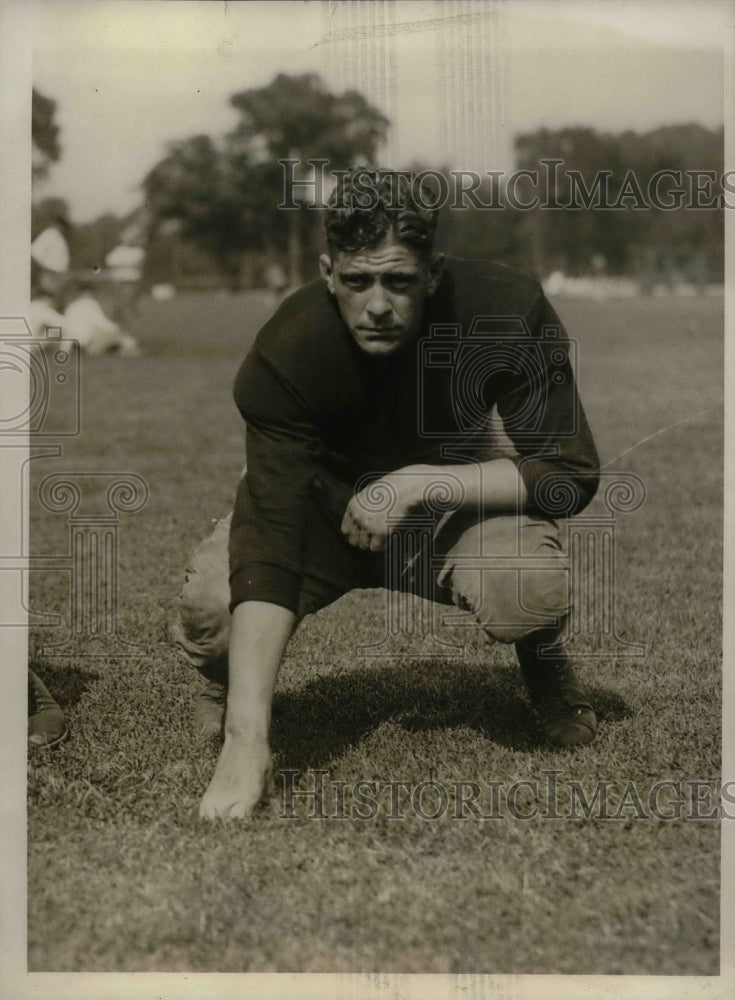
[436,270]
[326,270]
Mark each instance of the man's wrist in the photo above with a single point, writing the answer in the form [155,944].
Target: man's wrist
[495,484]
[247,726]
[426,482]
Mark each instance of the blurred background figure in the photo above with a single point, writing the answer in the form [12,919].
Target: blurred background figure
[86,322]
[50,254]
[49,272]
[123,270]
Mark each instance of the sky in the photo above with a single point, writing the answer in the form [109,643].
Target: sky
[457,79]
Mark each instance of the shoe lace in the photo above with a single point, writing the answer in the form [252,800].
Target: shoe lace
[558,691]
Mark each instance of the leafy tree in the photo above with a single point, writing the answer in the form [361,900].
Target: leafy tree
[668,240]
[49,212]
[92,241]
[225,195]
[465,230]
[194,186]
[298,113]
[297,117]
[44,134]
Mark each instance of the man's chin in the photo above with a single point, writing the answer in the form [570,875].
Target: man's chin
[380,347]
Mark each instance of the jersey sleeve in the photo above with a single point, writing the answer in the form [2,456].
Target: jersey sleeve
[544,417]
[268,523]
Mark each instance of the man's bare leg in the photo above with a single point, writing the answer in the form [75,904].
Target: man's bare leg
[259,635]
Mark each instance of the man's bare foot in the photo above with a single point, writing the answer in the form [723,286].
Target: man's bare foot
[242,778]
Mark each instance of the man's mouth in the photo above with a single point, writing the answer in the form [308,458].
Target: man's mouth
[379,333]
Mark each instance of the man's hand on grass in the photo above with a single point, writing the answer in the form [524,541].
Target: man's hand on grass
[242,779]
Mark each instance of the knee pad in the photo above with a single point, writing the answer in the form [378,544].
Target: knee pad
[510,604]
[201,625]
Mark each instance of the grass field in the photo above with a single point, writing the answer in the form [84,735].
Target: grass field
[122,875]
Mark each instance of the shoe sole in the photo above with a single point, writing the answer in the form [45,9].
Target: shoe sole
[574,733]
[47,744]
[581,737]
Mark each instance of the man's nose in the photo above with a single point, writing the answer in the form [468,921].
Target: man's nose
[378,304]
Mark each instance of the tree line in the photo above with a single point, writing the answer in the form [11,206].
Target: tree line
[209,208]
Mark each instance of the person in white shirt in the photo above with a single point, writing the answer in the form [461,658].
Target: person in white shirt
[49,268]
[49,272]
[85,321]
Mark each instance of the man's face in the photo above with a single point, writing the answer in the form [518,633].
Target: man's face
[381,292]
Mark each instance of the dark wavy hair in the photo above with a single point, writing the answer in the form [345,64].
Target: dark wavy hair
[368,204]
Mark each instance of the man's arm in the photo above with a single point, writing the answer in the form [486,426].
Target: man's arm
[555,473]
[258,638]
[267,530]
[265,572]
[495,487]
[543,416]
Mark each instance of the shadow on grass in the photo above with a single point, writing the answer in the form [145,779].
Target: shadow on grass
[66,684]
[315,724]
[609,706]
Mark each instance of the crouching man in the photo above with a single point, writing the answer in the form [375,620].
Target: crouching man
[386,379]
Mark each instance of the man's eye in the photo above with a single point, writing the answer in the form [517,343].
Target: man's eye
[354,281]
[399,283]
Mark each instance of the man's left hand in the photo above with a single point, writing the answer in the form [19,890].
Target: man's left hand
[373,512]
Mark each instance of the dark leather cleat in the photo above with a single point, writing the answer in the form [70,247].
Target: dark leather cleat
[46,723]
[565,716]
[209,709]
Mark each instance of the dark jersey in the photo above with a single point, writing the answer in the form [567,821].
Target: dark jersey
[315,403]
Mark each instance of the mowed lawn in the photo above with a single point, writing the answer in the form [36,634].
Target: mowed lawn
[124,877]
